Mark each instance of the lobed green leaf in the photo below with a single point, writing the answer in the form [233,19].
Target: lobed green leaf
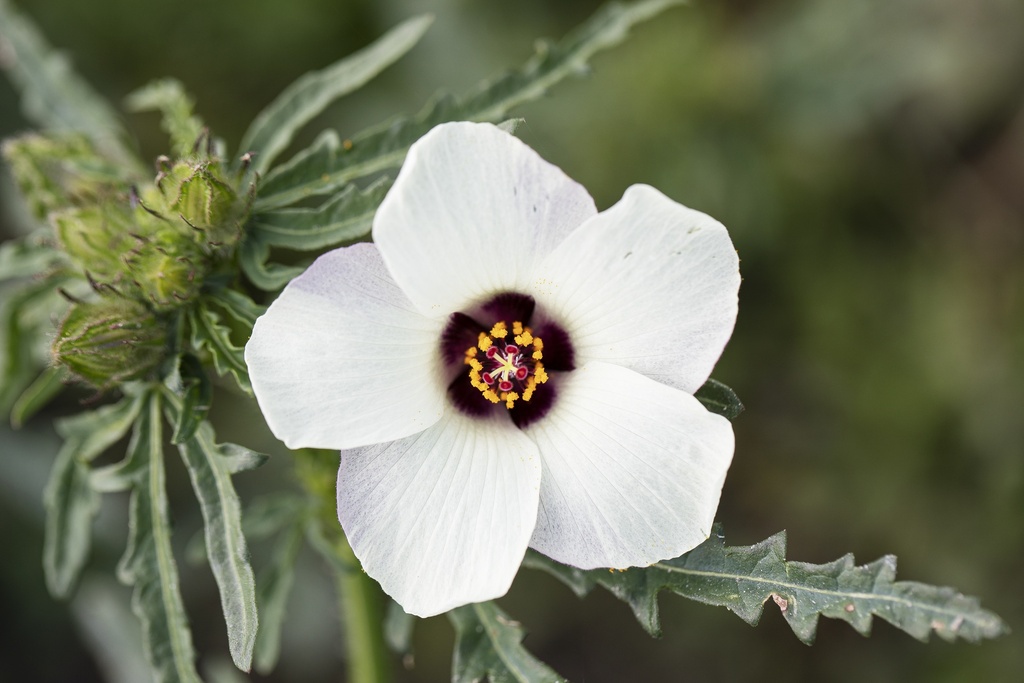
[238,306]
[273,128]
[208,332]
[148,561]
[252,259]
[346,217]
[744,578]
[71,505]
[489,645]
[53,95]
[330,163]
[168,96]
[719,399]
[209,466]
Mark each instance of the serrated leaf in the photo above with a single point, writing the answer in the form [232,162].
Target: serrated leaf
[38,395]
[210,469]
[719,399]
[26,257]
[272,591]
[52,94]
[238,306]
[489,645]
[148,561]
[331,164]
[208,332]
[189,382]
[273,128]
[345,217]
[71,505]
[70,501]
[744,578]
[252,259]
[168,96]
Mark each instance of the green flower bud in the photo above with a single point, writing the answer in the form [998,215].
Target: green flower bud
[167,269]
[198,195]
[110,341]
[58,171]
[96,237]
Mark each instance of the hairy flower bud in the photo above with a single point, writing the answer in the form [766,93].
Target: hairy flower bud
[167,269]
[198,195]
[96,237]
[110,341]
[57,171]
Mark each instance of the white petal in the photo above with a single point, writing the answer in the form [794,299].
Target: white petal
[442,518]
[471,213]
[342,359]
[648,284]
[633,470]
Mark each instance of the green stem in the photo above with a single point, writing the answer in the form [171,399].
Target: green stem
[362,620]
[360,600]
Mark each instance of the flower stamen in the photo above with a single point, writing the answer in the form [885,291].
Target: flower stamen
[506,372]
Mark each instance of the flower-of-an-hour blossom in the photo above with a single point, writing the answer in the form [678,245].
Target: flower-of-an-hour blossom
[505,368]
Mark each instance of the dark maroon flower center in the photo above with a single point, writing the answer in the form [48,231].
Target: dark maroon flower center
[505,364]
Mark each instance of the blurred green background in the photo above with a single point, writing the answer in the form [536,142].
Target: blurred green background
[868,158]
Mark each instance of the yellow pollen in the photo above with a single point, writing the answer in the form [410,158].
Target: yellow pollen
[510,399]
[499,330]
[471,352]
[484,342]
[524,339]
[540,373]
[517,327]
[491,396]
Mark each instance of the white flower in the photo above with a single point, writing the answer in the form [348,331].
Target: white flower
[394,354]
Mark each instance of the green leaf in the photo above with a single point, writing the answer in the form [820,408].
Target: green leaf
[38,395]
[744,578]
[273,128]
[189,382]
[489,644]
[100,429]
[210,333]
[52,94]
[168,97]
[238,306]
[252,258]
[26,257]
[18,366]
[148,561]
[719,399]
[210,471]
[330,164]
[272,590]
[346,217]
[71,504]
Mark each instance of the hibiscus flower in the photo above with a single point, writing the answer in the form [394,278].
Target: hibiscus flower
[505,368]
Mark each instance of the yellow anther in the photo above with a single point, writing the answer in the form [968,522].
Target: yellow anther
[491,396]
[531,386]
[483,341]
[540,374]
[517,327]
[537,355]
[524,339]
[471,352]
[510,399]
[499,330]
